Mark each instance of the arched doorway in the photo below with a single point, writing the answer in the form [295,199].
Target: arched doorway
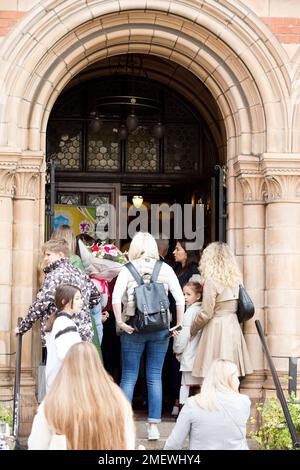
[96,162]
[226,48]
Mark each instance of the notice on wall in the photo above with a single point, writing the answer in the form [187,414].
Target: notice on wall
[82,219]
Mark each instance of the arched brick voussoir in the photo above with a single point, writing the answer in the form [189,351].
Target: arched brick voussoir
[109,23]
[294,107]
[155,48]
[115,50]
[217,19]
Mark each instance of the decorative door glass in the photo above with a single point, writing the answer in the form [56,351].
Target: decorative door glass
[143,150]
[72,199]
[103,153]
[64,144]
[181,148]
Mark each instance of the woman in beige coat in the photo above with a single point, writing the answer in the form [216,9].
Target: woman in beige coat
[222,337]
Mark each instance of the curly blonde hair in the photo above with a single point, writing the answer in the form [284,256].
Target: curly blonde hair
[219,263]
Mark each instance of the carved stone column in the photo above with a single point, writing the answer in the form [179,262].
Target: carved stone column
[282,326]
[252,183]
[26,219]
[7,171]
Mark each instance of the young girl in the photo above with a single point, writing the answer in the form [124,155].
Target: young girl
[184,346]
[61,330]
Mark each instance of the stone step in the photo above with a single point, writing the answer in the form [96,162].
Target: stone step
[165,429]
[151,445]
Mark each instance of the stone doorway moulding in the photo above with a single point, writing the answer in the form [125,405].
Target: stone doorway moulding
[222,43]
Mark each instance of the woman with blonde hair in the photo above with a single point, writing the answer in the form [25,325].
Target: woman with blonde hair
[216,418]
[222,336]
[84,409]
[143,254]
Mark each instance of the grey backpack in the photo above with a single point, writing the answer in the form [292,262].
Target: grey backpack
[151,301]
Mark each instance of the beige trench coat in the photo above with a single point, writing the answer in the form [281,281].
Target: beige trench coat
[222,337]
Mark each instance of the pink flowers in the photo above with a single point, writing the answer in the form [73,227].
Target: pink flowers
[110,252]
[102,260]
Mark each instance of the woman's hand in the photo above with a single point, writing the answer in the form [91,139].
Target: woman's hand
[175,331]
[105,316]
[124,327]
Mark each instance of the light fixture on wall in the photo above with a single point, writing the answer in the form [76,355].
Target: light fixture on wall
[95,123]
[159,130]
[137,201]
[123,132]
[132,120]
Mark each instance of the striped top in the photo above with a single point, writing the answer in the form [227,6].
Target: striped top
[58,341]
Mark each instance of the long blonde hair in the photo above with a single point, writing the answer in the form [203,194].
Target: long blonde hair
[84,403]
[142,245]
[218,379]
[65,232]
[219,263]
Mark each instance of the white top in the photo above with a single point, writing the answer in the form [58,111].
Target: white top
[166,271]
[58,341]
[41,437]
[223,429]
[184,345]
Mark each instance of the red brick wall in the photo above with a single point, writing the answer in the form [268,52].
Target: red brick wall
[8,19]
[287,30]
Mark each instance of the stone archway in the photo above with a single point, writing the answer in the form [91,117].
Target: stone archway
[223,44]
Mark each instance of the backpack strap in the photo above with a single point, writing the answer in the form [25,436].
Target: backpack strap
[136,275]
[156,270]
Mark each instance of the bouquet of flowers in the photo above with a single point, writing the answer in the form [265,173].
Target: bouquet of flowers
[104,261]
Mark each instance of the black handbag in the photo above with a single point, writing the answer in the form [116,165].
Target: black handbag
[151,301]
[246,308]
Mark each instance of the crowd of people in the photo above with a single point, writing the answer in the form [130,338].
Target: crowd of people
[201,343]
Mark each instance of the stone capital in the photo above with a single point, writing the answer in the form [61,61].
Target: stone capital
[283,188]
[282,176]
[270,177]
[254,188]
[27,175]
[26,182]
[248,172]
[7,173]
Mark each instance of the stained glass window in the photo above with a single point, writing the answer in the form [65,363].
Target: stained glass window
[103,149]
[72,199]
[142,150]
[64,144]
[181,148]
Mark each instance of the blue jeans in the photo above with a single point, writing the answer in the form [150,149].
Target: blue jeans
[132,348]
[97,314]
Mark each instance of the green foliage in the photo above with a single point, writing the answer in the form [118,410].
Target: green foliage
[273,433]
[6,414]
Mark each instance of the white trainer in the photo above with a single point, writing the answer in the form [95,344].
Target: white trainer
[153,433]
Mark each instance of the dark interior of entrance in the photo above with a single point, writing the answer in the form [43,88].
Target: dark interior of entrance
[167,154]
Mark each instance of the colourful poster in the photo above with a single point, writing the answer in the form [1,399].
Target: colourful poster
[82,219]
